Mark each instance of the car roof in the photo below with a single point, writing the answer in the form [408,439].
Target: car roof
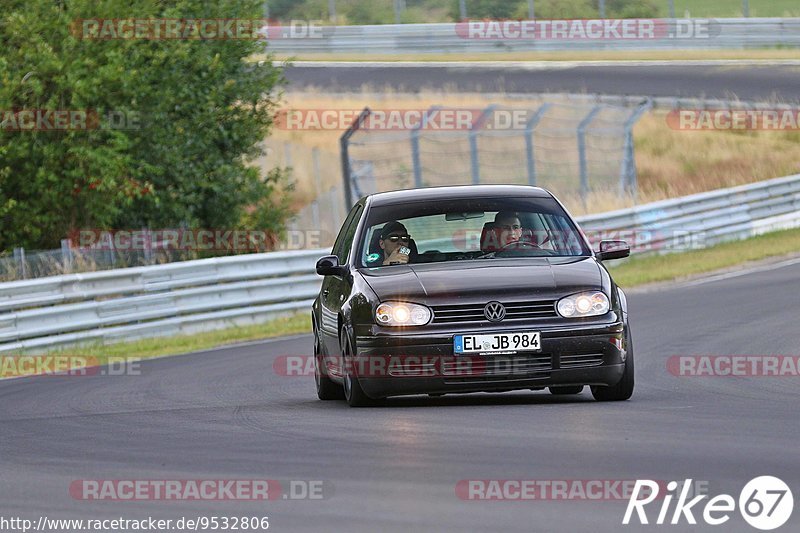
[457,192]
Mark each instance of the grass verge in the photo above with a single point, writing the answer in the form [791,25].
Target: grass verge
[118,353]
[671,267]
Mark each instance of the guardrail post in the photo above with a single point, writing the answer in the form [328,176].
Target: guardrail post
[746,8]
[344,147]
[22,267]
[462,9]
[531,11]
[628,181]
[582,151]
[332,10]
[672,9]
[475,164]
[529,148]
[602,8]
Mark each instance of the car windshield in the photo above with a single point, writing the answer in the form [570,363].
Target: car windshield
[469,229]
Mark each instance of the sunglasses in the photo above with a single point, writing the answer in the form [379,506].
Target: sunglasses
[396,238]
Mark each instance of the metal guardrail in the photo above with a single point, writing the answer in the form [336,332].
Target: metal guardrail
[723,33]
[164,300]
[131,303]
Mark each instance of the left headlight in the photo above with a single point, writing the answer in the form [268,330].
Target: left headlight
[402,314]
[583,304]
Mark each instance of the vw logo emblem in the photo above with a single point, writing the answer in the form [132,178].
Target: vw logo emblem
[494,311]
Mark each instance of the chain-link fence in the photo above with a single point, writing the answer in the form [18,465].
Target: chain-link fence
[29,264]
[575,150]
[402,11]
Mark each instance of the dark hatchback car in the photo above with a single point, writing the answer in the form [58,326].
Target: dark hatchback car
[468,289]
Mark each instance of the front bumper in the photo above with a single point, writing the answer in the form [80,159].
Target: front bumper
[420,363]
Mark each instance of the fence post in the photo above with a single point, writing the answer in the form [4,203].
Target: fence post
[287,154]
[66,256]
[462,8]
[317,170]
[627,180]
[746,8]
[315,214]
[582,151]
[475,164]
[529,127]
[19,256]
[344,148]
[415,160]
[332,10]
[147,244]
[415,157]
[531,11]
[602,8]
[672,9]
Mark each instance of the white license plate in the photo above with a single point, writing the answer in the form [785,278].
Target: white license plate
[524,341]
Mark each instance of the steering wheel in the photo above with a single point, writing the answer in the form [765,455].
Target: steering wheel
[518,245]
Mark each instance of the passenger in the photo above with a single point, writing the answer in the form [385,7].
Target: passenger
[507,227]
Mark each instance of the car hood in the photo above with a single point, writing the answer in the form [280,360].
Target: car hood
[478,281]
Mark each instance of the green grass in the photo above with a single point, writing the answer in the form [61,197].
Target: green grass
[636,271]
[669,267]
[731,8]
[146,348]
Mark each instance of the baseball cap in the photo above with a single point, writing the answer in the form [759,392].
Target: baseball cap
[392,227]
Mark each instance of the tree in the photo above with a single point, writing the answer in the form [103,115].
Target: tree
[486,9]
[194,113]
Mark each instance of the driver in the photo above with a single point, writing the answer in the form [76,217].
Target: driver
[394,241]
[508,228]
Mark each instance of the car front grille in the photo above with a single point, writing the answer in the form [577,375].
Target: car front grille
[576,361]
[519,366]
[473,313]
[470,367]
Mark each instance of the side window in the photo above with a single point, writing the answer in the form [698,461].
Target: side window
[341,248]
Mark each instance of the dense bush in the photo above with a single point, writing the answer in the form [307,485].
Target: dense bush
[197,112]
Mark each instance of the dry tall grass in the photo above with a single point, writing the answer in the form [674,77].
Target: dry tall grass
[670,163]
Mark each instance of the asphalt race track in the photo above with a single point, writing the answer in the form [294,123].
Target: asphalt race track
[225,414]
[725,82]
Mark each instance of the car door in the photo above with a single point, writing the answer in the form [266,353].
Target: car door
[335,289]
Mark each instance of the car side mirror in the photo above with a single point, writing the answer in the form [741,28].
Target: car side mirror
[613,250]
[329,266]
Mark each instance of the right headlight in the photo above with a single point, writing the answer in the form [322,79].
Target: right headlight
[592,303]
[402,314]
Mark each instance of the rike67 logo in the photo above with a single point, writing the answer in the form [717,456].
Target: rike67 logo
[765,503]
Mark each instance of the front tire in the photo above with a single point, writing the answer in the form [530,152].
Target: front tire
[624,389]
[353,393]
[327,389]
